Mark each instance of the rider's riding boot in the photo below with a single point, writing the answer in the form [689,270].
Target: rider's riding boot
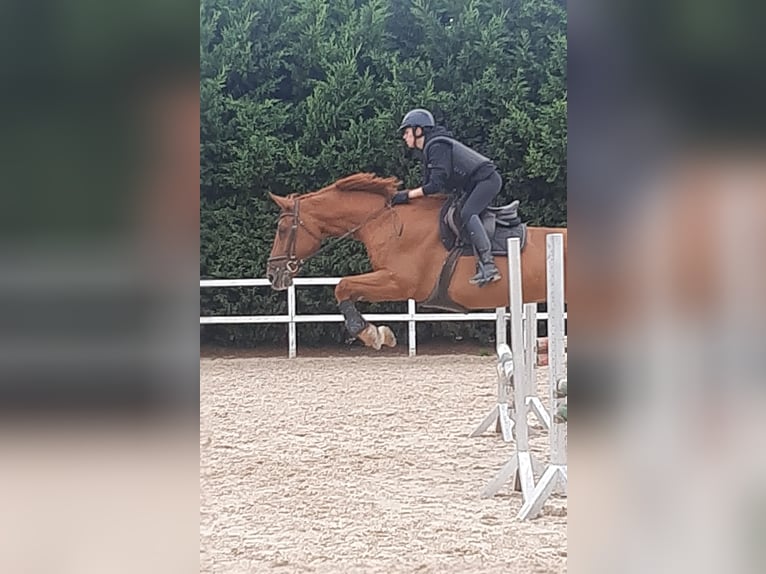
[487,271]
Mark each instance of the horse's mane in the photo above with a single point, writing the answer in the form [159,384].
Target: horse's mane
[358,182]
[368,182]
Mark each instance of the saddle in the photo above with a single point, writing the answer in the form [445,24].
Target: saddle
[501,223]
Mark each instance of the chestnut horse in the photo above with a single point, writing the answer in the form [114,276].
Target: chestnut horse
[403,245]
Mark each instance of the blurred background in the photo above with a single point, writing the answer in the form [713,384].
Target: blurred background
[99,240]
[666,194]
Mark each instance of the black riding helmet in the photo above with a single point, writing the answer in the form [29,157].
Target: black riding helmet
[417,117]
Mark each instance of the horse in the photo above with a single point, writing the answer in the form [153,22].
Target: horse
[405,247]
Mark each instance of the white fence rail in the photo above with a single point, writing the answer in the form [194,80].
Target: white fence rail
[500,316]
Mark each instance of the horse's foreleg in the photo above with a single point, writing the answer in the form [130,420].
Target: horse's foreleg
[374,287]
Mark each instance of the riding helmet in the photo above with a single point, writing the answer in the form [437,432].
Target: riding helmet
[417,117]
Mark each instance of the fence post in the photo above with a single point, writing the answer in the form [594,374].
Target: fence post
[412,333]
[291,325]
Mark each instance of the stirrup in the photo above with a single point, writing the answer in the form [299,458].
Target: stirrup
[480,274]
[482,277]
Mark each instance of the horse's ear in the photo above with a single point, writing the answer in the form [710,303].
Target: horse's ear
[283,203]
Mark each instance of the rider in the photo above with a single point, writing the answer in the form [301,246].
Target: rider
[450,166]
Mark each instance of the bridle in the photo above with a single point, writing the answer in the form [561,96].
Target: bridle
[292,262]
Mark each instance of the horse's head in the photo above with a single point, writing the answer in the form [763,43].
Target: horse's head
[298,237]
[338,210]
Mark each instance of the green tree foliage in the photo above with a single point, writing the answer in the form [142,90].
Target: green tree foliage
[298,93]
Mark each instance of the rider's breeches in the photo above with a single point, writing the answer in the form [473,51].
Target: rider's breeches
[481,196]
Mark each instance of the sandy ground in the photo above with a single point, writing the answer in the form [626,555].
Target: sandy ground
[345,465]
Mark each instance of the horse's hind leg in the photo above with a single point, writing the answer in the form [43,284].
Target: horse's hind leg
[378,286]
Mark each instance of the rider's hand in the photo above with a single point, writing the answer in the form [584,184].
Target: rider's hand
[400,197]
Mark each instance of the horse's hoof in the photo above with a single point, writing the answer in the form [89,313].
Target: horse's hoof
[371,337]
[387,336]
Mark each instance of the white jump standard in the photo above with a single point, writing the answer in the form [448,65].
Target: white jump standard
[554,479]
[522,463]
[499,415]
